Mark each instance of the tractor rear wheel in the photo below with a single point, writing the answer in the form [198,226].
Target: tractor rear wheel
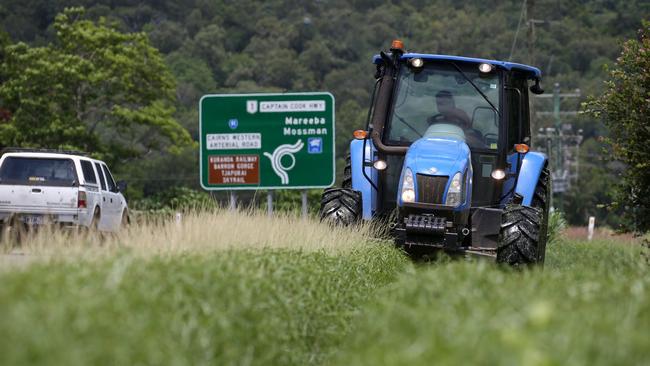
[340,206]
[519,237]
[541,201]
[347,173]
[523,234]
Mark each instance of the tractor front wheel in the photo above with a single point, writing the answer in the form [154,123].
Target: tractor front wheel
[341,206]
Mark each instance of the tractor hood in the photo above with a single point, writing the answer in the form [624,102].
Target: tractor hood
[437,156]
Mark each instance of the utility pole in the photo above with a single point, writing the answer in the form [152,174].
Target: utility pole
[560,167]
[531,38]
[561,144]
[530,5]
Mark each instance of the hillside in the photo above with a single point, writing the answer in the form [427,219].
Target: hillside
[244,46]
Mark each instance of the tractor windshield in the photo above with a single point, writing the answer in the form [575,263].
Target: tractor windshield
[438,101]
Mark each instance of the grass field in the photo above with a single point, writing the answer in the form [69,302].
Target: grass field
[590,305]
[271,307]
[231,289]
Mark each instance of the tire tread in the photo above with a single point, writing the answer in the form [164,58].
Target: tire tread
[340,206]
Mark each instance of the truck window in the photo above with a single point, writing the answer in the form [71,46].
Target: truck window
[101,176]
[89,172]
[38,171]
[109,179]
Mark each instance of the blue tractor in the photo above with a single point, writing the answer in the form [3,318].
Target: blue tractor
[444,160]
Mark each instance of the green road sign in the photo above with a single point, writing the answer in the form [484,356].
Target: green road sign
[267,141]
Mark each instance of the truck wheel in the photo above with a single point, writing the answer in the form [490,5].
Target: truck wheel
[540,200]
[125,222]
[520,234]
[94,224]
[340,206]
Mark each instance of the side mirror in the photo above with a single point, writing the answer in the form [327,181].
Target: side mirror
[537,88]
[121,186]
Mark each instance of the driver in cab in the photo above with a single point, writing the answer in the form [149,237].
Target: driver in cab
[449,113]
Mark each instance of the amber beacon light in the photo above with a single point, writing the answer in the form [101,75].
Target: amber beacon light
[360,134]
[522,148]
[397,45]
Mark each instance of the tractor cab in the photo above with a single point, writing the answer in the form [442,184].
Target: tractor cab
[481,102]
[445,153]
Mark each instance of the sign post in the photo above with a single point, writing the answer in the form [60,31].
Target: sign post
[267,141]
[233,201]
[590,228]
[303,195]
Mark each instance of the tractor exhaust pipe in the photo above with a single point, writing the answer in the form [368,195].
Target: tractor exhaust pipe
[383,102]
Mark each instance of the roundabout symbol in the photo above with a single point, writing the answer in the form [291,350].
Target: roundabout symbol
[276,159]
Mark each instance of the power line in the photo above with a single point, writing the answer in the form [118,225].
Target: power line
[514,41]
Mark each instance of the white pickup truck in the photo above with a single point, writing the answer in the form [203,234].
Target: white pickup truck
[49,187]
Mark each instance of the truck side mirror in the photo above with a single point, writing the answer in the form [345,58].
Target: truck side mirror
[121,186]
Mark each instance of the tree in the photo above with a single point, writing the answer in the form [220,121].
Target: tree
[5,41]
[94,89]
[625,109]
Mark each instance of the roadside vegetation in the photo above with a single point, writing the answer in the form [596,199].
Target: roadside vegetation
[194,231]
[232,307]
[590,305]
[218,288]
[230,289]
[624,108]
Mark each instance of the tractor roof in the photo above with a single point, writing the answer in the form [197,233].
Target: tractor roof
[534,72]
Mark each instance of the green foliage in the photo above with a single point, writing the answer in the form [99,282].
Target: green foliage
[272,307]
[588,306]
[193,76]
[291,201]
[274,46]
[175,199]
[5,41]
[625,109]
[94,89]
[556,225]
[160,171]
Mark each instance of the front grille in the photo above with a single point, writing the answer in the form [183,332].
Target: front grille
[431,189]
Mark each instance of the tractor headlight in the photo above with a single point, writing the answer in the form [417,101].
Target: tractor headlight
[417,62]
[455,191]
[408,188]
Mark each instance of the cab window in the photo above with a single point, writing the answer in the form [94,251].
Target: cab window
[89,172]
[518,131]
[440,96]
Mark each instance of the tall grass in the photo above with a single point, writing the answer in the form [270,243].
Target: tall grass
[590,305]
[244,289]
[220,307]
[197,231]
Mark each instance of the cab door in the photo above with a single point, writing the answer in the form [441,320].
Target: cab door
[104,202]
[113,199]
